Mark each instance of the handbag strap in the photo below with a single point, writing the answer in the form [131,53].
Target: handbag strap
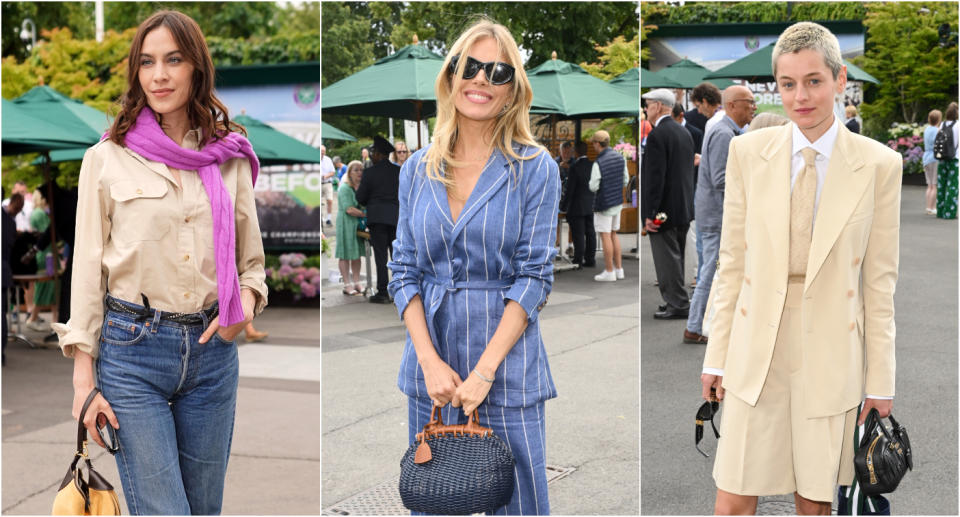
[81,429]
[436,427]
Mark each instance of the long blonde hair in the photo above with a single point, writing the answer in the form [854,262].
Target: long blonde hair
[513,125]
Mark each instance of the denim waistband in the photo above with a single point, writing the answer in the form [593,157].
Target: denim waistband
[158,317]
[453,285]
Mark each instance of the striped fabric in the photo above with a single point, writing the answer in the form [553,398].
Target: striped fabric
[500,248]
[851,501]
[524,431]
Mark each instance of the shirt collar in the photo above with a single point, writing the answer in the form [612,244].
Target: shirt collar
[191,140]
[657,123]
[823,145]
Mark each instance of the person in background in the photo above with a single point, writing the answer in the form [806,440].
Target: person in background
[44,293]
[378,192]
[400,152]
[23,218]
[706,99]
[349,246]
[340,167]
[767,119]
[327,173]
[365,158]
[8,232]
[577,203]
[947,170]
[608,176]
[929,162]
[851,122]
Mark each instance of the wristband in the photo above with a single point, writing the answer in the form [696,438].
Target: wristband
[475,372]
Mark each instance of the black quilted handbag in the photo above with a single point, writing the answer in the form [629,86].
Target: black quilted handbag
[456,469]
[883,457]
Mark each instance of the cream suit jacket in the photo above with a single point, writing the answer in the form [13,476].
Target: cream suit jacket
[847,309]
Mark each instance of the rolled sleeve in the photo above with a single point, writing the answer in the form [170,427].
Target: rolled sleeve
[250,259]
[533,257]
[405,275]
[82,331]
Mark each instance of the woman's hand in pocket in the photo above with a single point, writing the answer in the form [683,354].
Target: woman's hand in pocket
[229,333]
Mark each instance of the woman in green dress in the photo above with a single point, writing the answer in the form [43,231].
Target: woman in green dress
[947,171]
[349,212]
[44,294]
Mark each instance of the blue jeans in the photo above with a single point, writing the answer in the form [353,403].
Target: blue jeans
[523,428]
[708,266]
[175,401]
[699,253]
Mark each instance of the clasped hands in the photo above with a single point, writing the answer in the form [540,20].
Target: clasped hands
[444,386]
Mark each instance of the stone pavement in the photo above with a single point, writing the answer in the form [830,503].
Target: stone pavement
[591,330]
[676,479]
[275,460]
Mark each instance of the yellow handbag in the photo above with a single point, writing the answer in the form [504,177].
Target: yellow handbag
[92,495]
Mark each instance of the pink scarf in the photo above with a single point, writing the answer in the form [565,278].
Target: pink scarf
[147,139]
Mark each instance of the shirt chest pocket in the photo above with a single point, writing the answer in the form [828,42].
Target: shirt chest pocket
[140,212]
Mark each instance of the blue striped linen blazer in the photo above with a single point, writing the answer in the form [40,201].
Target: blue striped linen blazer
[500,248]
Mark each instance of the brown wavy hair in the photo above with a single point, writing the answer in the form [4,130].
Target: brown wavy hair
[204,109]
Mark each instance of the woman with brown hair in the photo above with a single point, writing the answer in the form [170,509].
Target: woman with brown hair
[168,269]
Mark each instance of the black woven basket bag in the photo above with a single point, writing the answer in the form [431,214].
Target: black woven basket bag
[456,469]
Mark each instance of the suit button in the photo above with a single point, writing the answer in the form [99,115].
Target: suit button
[743,311]
[853,325]
[746,279]
[856,261]
[850,293]
[139,191]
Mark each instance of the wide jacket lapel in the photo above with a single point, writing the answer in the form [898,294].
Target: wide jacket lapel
[843,186]
[491,180]
[773,196]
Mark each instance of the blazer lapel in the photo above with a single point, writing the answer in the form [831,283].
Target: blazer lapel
[842,187]
[439,194]
[774,189]
[493,177]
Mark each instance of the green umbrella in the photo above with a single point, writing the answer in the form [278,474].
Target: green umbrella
[758,67]
[690,74]
[25,133]
[399,85]
[650,79]
[329,132]
[72,115]
[567,89]
[628,82]
[272,147]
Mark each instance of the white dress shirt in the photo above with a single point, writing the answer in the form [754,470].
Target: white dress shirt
[824,148]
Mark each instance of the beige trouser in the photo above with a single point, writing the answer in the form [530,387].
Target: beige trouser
[772,448]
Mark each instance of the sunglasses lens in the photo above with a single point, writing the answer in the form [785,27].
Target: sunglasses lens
[470,70]
[501,74]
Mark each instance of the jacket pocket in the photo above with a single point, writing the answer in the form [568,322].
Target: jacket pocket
[139,210]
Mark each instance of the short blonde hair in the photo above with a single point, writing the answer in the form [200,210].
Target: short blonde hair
[602,137]
[809,36]
[850,110]
[767,119]
[512,125]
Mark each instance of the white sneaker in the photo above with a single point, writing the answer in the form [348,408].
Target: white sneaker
[619,273]
[38,326]
[606,276]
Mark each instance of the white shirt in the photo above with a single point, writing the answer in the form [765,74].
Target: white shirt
[657,123]
[824,148]
[326,167]
[712,121]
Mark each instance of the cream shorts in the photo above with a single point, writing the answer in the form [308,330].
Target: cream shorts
[326,190]
[606,223]
[773,448]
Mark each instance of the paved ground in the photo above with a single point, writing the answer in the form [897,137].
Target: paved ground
[275,461]
[676,480]
[591,331]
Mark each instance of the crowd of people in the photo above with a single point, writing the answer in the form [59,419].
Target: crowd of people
[366,192]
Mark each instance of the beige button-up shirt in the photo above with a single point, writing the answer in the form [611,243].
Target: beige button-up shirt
[139,232]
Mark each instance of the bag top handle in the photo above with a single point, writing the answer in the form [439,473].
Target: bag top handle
[81,429]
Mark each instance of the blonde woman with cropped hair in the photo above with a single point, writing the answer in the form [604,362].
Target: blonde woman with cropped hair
[473,260]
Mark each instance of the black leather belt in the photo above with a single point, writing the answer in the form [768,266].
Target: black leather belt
[145,313]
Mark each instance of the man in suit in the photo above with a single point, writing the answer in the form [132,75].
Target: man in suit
[378,193]
[667,187]
[803,327]
[739,106]
[577,202]
[851,112]
[696,134]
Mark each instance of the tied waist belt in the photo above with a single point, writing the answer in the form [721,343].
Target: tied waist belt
[144,312]
[453,285]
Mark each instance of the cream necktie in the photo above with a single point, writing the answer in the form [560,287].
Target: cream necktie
[801,213]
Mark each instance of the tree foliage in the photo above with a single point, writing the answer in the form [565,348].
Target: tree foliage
[614,58]
[746,12]
[902,51]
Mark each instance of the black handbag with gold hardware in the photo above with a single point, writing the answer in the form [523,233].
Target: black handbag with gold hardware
[92,495]
[884,456]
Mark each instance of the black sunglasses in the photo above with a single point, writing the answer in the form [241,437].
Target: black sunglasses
[496,71]
[706,412]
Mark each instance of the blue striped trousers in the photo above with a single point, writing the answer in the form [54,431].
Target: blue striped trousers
[524,431]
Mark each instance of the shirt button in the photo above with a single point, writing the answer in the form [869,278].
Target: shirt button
[186,258]
[186,219]
[186,295]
